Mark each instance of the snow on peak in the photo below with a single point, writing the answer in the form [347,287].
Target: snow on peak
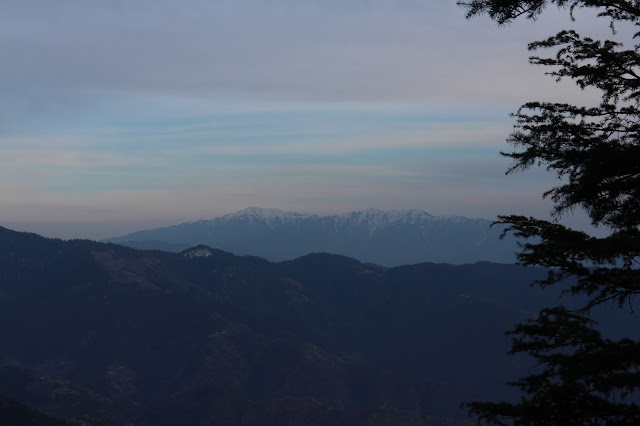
[199,251]
[408,216]
[375,217]
[256,214]
[260,212]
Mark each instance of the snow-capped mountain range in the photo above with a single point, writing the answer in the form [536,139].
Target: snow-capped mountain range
[389,238]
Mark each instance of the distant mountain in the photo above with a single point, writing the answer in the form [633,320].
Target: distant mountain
[389,238]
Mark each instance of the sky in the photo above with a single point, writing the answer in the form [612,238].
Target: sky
[117,116]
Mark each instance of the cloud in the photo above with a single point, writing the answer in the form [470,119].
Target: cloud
[405,51]
[63,158]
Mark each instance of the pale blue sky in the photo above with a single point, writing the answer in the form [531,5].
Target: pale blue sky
[121,115]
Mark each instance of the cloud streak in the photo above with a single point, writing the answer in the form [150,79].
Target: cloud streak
[306,50]
[116,111]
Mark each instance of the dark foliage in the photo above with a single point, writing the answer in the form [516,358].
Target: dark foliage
[12,413]
[583,378]
[505,11]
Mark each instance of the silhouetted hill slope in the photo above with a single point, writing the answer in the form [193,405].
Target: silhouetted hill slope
[388,238]
[62,398]
[133,332]
[12,413]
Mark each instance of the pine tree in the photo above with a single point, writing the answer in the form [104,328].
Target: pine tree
[581,377]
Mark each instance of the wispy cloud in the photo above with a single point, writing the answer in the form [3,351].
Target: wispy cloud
[166,111]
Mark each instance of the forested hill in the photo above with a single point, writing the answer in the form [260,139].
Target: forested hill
[149,337]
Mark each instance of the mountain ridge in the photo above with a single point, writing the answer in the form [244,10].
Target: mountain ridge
[122,332]
[123,336]
[389,238]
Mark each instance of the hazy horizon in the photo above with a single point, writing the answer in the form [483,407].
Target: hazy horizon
[101,231]
[91,230]
[120,116]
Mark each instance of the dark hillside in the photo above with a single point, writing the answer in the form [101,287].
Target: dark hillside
[143,334]
[12,413]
